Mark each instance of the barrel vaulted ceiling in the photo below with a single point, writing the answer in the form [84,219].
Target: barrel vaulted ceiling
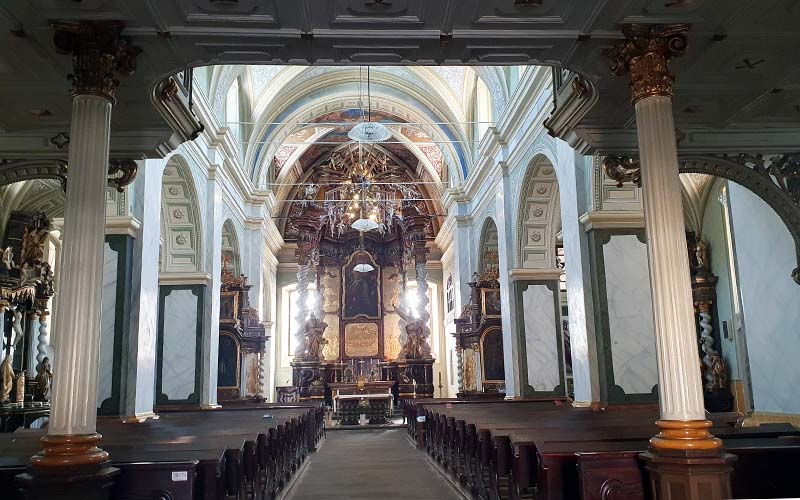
[737,87]
[287,109]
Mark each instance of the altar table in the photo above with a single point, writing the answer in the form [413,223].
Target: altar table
[350,407]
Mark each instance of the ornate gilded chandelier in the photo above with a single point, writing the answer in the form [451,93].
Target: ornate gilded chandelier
[368,199]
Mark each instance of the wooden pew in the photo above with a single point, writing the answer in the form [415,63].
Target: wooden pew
[234,454]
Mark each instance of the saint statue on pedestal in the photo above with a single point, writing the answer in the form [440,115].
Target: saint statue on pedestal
[310,348]
[6,380]
[44,378]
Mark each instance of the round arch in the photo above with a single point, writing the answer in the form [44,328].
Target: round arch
[756,179]
[181,231]
[488,256]
[231,251]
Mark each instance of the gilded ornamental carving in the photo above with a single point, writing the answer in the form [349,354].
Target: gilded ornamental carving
[644,55]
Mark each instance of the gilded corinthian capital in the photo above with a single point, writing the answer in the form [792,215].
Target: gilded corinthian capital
[644,55]
[99,55]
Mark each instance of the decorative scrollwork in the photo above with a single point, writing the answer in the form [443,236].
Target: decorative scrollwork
[623,169]
[121,173]
[782,169]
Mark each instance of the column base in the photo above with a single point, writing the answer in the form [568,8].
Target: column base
[69,467]
[686,462]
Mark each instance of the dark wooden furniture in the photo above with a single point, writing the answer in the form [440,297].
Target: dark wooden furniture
[242,341]
[245,452]
[479,339]
[551,450]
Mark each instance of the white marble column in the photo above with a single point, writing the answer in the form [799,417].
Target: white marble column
[213,263]
[140,360]
[508,300]
[680,388]
[31,329]
[73,407]
[573,177]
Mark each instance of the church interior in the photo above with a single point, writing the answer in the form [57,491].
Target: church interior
[432,249]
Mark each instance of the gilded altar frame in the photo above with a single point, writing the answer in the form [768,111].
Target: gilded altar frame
[231,297]
[488,311]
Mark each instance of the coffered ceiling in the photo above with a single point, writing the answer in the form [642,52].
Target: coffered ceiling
[737,87]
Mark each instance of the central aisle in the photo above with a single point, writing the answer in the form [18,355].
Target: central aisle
[370,465]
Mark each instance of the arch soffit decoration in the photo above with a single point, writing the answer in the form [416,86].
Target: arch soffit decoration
[538,215]
[181,230]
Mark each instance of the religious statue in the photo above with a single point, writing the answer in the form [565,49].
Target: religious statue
[44,379]
[716,375]
[8,258]
[348,376]
[702,256]
[310,349]
[6,379]
[33,241]
[416,344]
[375,373]
[19,397]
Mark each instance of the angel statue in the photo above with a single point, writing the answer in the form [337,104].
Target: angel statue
[8,258]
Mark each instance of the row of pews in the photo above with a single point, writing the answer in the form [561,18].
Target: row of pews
[548,449]
[225,454]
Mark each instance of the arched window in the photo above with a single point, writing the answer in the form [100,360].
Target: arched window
[232,117]
[451,294]
[483,109]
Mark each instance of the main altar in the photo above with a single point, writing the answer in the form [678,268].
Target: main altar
[362,235]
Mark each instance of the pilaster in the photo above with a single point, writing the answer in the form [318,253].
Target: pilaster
[508,298]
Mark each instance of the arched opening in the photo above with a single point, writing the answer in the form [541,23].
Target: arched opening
[181,238]
[230,248]
[488,255]
[742,254]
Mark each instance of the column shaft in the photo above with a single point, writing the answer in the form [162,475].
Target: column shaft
[73,407]
[680,390]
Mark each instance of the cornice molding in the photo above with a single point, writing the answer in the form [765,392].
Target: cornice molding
[125,225]
[191,278]
[612,220]
[535,274]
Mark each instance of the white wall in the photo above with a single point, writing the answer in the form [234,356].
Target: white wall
[765,256]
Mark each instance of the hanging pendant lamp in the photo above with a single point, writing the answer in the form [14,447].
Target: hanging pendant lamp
[367,130]
[363,267]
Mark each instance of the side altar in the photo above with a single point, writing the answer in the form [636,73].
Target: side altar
[371,320]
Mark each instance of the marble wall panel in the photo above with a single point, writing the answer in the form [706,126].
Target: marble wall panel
[179,358]
[105,369]
[331,350]
[541,337]
[391,336]
[630,314]
[765,257]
